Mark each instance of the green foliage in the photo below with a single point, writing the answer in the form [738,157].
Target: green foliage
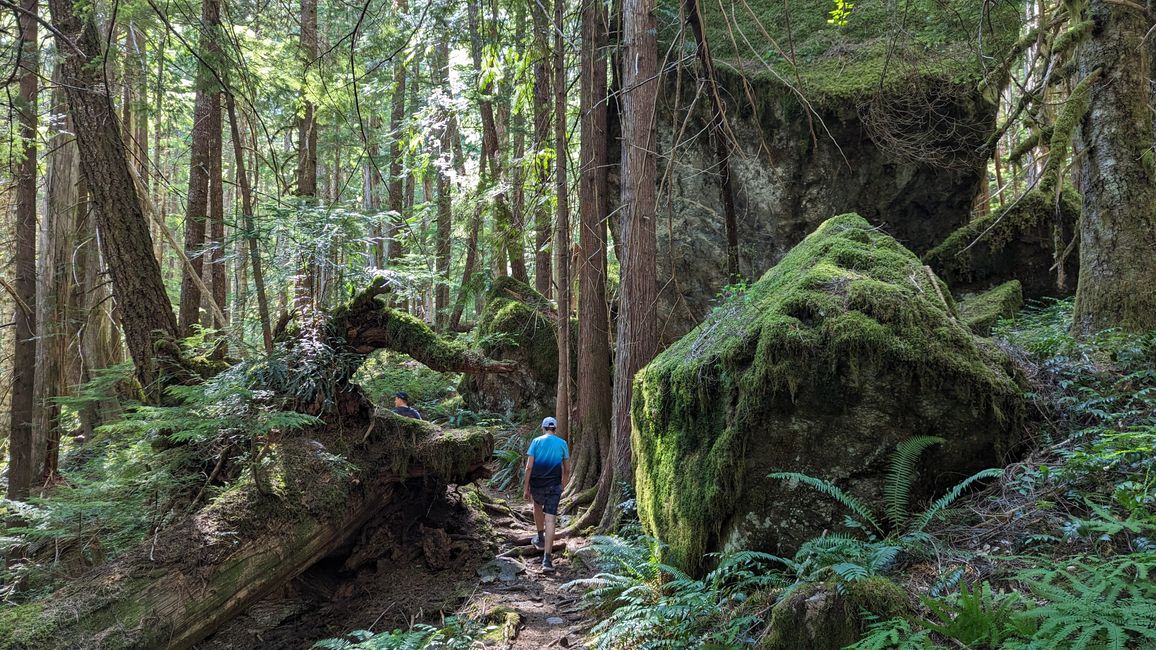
[644,603]
[840,13]
[458,633]
[893,633]
[386,372]
[977,617]
[511,456]
[1093,603]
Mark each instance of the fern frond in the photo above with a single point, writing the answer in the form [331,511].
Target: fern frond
[945,501]
[901,476]
[833,491]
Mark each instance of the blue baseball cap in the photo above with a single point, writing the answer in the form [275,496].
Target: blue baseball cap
[549,423]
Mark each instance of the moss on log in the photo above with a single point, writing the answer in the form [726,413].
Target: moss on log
[981,311]
[1019,243]
[180,586]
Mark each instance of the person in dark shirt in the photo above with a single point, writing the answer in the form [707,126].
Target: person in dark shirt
[401,406]
[547,470]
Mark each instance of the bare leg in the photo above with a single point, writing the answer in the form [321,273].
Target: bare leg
[550,533]
[538,515]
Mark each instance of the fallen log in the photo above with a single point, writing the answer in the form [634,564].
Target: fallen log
[179,587]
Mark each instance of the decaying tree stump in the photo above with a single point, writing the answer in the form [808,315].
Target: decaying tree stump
[317,490]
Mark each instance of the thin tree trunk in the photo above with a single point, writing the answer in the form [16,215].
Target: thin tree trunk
[396,168]
[250,228]
[518,174]
[371,199]
[562,230]
[543,269]
[444,245]
[1117,284]
[216,240]
[720,133]
[305,296]
[145,312]
[200,166]
[637,340]
[591,430]
[24,445]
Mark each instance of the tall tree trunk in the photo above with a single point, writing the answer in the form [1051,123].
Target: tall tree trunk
[637,334]
[591,430]
[200,165]
[24,445]
[250,228]
[56,295]
[1117,284]
[722,137]
[518,175]
[543,269]
[216,241]
[305,291]
[562,230]
[371,196]
[145,312]
[444,244]
[396,166]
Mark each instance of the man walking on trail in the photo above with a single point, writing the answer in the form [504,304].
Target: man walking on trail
[547,470]
[401,406]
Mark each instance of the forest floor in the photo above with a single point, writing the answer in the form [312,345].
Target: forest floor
[464,553]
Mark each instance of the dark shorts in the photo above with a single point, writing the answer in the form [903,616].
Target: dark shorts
[547,496]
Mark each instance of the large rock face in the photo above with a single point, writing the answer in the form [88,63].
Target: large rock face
[518,324]
[890,124]
[845,348]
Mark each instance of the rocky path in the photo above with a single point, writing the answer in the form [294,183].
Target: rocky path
[538,612]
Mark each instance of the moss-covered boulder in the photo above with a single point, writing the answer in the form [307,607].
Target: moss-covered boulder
[825,616]
[886,116]
[981,311]
[518,324]
[1033,240]
[845,348]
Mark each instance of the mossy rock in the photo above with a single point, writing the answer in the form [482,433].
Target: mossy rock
[1019,243]
[518,324]
[828,617]
[981,311]
[845,348]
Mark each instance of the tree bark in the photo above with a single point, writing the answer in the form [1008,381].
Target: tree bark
[305,289]
[518,174]
[216,240]
[637,335]
[250,227]
[562,228]
[722,137]
[396,168]
[25,447]
[591,430]
[543,269]
[1117,283]
[444,244]
[145,312]
[206,122]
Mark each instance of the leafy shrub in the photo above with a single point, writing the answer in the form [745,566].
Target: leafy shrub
[458,633]
[648,604]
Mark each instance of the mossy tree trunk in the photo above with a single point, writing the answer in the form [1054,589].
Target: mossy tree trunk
[562,224]
[1117,285]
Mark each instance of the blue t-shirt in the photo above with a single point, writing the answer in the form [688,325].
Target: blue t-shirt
[548,451]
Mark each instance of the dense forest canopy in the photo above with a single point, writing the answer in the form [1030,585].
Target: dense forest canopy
[741,254]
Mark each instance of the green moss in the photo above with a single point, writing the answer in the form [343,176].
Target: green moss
[25,626]
[846,298]
[829,616]
[960,261]
[981,311]
[517,316]
[881,46]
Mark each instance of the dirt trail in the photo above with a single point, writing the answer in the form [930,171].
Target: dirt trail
[548,616]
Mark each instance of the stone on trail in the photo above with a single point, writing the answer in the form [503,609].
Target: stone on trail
[847,347]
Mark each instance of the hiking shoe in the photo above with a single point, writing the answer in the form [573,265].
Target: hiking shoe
[538,542]
[547,564]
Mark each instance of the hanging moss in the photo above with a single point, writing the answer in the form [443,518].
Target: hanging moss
[1075,108]
[1017,243]
[981,311]
[848,312]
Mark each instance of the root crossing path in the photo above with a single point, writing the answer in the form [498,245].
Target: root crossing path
[532,607]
